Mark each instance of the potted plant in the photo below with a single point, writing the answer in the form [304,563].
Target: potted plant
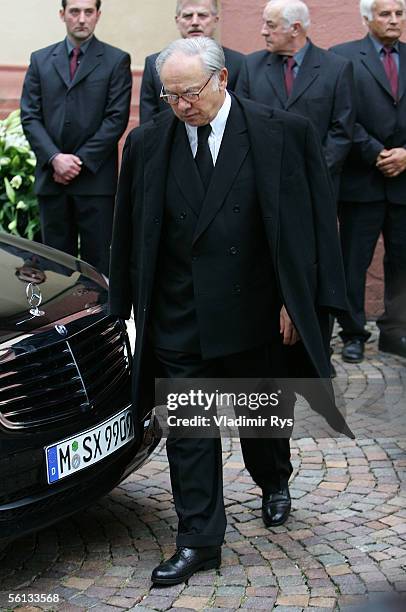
[19,213]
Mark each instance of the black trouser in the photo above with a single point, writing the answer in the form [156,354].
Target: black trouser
[196,464]
[65,218]
[360,226]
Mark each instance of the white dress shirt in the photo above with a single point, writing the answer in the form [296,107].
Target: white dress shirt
[218,126]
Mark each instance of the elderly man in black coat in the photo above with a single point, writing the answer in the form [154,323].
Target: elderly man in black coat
[225,244]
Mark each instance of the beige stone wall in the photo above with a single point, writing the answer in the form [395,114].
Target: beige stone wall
[140,27]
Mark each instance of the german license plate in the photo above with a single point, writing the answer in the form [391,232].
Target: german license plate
[88,447]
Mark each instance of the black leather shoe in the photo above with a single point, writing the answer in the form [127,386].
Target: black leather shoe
[393,344]
[353,351]
[276,507]
[184,563]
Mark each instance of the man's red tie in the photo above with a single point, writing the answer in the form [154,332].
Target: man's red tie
[73,64]
[289,74]
[391,70]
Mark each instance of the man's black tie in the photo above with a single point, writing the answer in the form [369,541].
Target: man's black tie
[203,158]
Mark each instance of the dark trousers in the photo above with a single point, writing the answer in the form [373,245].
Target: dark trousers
[65,218]
[360,226]
[196,464]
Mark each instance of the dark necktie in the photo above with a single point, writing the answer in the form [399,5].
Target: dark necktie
[74,61]
[391,70]
[290,63]
[203,158]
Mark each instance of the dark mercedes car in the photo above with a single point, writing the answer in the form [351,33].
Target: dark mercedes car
[68,430]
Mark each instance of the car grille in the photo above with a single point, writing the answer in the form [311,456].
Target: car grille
[59,382]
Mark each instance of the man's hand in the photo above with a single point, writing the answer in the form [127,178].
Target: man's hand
[290,335]
[392,162]
[66,166]
[59,179]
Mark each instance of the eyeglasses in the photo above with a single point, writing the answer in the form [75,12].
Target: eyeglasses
[188,96]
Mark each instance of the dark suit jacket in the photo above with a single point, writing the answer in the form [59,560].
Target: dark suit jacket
[86,116]
[380,123]
[296,207]
[150,102]
[322,92]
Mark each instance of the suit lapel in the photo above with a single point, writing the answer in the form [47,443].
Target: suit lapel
[274,74]
[90,60]
[234,148]
[373,63]
[61,62]
[157,149]
[185,170]
[307,73]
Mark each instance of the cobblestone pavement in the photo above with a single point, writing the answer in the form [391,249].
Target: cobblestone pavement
[343,544]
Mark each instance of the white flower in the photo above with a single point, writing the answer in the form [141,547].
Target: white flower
[16,181]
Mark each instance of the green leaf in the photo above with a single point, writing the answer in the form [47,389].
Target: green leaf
[11,194]
[31,229]
[16,162]
[12,227]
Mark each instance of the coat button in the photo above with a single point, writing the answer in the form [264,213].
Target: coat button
[237,288]
[156,219]
[182,215]
[236,209]
[233,250]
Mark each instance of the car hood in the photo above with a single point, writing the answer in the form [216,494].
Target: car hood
[44,290]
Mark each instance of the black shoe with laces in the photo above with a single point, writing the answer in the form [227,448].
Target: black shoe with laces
[184,563]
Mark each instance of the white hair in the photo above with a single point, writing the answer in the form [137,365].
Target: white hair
[292,11]
[210,52]
[366,8]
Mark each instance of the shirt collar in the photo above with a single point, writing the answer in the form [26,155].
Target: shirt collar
[219,122]
[379,46]
[83,48]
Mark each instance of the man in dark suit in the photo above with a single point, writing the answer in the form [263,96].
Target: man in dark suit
[74,109]
[373,187]
[193,18]
[225,244]
[295,75]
